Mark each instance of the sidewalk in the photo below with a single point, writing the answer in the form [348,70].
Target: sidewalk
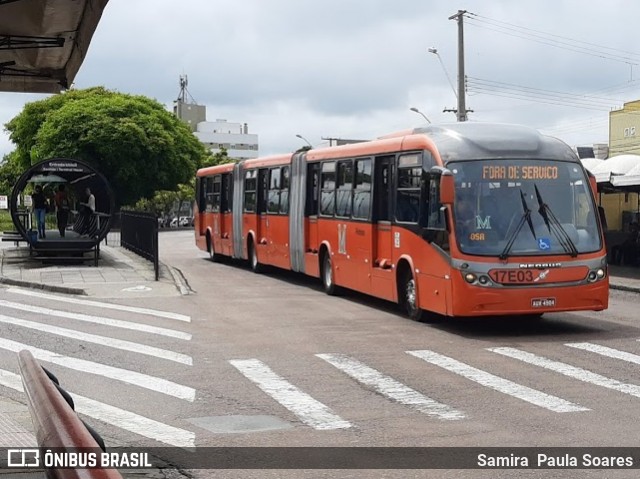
[119,274]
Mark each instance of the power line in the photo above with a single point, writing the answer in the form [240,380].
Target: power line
[480,86]
[553,40]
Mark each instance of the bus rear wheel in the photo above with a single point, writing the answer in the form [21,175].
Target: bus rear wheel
[326,273]
[215,257]
[256,266]
[408,299]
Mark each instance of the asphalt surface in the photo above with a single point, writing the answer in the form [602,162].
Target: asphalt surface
[261,345]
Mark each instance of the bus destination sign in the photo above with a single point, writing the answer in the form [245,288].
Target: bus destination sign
[519,172]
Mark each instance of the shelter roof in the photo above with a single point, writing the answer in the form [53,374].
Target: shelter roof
[614,166]
[44,42]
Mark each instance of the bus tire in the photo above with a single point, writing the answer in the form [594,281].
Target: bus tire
[215,257]
[408,299]
[255,265]
[327,276]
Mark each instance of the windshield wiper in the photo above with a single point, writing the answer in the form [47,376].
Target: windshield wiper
[526,216]
[554,226]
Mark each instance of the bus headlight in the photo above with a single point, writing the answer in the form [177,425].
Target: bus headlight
[596,275]
[470,278]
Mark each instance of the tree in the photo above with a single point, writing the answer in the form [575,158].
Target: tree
[132,140]
[10,171]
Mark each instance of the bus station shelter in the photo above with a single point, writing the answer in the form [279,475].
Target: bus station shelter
[44,42]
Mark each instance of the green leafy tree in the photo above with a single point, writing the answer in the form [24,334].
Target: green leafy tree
[10,171]
[132,140]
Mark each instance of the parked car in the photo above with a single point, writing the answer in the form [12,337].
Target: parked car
[173,223]
[185,220]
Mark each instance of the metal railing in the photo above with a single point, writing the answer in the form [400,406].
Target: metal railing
[139,233]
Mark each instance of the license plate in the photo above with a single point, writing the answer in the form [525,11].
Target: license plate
[543,302]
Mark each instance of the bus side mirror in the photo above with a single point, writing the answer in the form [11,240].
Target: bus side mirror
[593,184]
[447,188]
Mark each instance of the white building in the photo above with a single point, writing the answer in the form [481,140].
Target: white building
[233,137]
[219,134]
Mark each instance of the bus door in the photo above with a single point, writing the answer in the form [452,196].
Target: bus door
[311,209]
[263,218]
[226,225]
[382,240]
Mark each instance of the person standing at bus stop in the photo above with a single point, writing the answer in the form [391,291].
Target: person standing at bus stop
[87,213]
[40,209]
[62,209]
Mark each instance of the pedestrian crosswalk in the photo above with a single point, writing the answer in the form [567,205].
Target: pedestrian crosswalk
[429,383]
[140,323]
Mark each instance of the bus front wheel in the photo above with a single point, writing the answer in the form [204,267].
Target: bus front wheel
[409,299]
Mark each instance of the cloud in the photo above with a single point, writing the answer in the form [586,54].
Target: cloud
[346,69]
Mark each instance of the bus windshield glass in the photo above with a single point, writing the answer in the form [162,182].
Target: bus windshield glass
[523,208]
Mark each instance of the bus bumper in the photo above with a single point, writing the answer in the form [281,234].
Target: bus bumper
[472,300]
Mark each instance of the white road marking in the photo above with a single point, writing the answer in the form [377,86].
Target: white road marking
[102,340]
[499,384]
[391,388]
[309,411]
[132,377]
[116,323]
[605,351]
[120,418]
[88,302]
[570,371]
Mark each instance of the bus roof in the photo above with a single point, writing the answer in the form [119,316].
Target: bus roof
[476,141]
[450,142]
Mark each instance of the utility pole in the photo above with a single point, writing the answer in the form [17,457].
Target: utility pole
[462,107]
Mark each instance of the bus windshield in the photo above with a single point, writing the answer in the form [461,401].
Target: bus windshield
[523,207]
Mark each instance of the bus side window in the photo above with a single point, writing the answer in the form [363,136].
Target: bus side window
[226,204]
[250,191]
[284,191]
[382,188]
[344,189]
[408,195]
[328,189]
[313,183]
[273,205]
[362,192]
[216,194]
[263,189]
[208,194]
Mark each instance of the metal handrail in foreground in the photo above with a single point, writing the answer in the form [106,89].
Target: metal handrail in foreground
[56,424]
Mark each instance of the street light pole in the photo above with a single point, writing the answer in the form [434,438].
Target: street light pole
[415,110]
[304,139]
[435,52]
[462,107]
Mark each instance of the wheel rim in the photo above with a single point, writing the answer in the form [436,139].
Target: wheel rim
[328,274]
[410,295]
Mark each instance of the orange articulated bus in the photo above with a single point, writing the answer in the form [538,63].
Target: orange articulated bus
[466,219]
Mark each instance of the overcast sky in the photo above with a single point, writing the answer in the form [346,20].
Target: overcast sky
[353,68]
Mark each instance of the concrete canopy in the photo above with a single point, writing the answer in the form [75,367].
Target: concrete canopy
[44,42]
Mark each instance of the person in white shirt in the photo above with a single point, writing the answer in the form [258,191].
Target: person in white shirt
[87,212]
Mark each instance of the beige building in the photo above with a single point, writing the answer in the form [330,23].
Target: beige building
[624,139]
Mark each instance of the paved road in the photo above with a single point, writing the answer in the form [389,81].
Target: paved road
[278,363]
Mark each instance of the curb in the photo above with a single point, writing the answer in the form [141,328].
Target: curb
[622,287]
[46,287]
[179,280]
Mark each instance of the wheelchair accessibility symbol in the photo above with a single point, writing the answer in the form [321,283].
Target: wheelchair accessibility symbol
[544,244]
